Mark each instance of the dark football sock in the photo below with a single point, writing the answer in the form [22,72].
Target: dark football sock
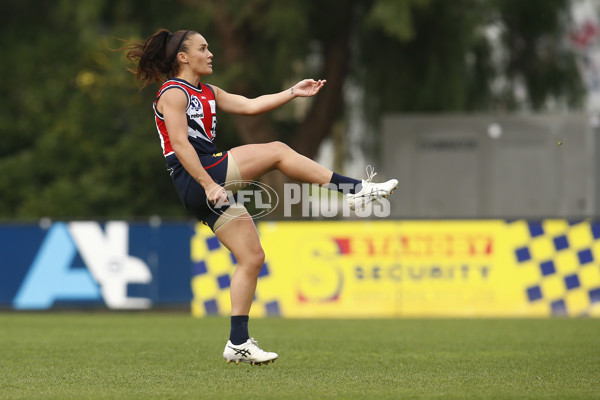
[239,329]
[345,184]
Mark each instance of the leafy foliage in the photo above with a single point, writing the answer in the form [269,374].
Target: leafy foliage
[78,135]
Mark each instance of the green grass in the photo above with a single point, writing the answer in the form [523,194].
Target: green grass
[173,356]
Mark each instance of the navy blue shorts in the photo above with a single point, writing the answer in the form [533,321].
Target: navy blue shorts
[191,193]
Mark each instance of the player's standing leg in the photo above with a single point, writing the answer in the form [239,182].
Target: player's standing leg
[241,238]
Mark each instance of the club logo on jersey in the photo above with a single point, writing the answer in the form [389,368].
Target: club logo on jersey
[196,108]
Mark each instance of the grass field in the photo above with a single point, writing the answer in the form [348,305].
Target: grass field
[173,356]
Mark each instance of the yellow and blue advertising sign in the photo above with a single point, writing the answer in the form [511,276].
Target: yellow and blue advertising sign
[491,268]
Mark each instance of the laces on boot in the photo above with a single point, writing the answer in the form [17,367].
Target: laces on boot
[370,173]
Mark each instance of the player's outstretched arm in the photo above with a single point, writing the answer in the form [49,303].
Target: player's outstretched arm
[237,104]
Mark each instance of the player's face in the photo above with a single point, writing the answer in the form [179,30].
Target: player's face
[198,55]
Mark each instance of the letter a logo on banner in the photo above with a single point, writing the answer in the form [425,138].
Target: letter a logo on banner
[110,269]
[51,278]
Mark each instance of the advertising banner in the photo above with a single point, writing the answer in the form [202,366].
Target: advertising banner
[342,269]
[117,264]
[348,269]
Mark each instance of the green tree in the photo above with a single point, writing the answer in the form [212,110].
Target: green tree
[78,135]
[444,62]
[535,40]
[78,145]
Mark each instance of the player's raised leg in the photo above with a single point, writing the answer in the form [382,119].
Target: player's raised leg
[254,160]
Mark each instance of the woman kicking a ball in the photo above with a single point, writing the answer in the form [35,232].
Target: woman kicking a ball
[185,116]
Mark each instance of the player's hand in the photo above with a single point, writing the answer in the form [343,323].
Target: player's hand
[308,87]
[217,195]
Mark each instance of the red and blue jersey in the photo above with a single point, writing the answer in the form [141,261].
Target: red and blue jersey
[201,116]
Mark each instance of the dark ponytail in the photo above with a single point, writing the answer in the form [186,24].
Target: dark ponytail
[157,57]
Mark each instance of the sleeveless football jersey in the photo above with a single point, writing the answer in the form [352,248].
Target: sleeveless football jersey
[200,112]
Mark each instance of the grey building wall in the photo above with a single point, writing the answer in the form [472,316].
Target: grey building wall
[489,166]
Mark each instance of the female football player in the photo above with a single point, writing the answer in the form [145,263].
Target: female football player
[185,116]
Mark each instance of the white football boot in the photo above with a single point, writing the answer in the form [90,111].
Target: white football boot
[248,352]
[370,191]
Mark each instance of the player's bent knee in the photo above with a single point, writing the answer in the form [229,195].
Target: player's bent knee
[280,147]
[258,258]
[253,260]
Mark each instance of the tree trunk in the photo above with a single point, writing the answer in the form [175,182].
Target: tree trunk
[328,103]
